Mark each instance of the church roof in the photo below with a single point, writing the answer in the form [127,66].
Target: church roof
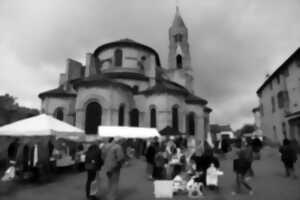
[163,86]
[178,21]
[57,92]
[126,75]
[192,99]
[127,43]
[99,80]
[169,87]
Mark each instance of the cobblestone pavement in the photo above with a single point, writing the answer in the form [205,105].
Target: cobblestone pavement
[269,183]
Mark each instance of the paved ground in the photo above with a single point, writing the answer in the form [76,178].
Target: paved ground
[269,183]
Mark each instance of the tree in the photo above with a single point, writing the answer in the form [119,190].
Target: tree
[10,111]
[246,128]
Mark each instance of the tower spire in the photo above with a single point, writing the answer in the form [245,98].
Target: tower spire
[178,21]
[179,61]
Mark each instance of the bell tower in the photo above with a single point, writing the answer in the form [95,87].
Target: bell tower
[179,60]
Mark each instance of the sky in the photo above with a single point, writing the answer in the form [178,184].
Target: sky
[233,43]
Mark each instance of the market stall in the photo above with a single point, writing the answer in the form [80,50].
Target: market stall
[37,139]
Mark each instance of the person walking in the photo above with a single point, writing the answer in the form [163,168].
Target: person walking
[160,160]
[93,163]
[248,152]
[288,157]
[256,146]
[113,160]
[150,155]
[241,166]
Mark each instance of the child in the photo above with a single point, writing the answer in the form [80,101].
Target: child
[212,174]
[195,186]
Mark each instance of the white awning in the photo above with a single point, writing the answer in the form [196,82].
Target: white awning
[127,132]
[41,125]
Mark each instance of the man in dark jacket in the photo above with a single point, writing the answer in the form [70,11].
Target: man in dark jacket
[150,155]
[241,166]
[93,163]
[288,157]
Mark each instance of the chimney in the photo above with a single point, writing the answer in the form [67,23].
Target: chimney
[74,69]
[63,81]
[90,65]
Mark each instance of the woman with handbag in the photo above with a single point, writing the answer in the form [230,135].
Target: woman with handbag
[93,163]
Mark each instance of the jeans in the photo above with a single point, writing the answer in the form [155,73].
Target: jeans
[91,176]
[240,180]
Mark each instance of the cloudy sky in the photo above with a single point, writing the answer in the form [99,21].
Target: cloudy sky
[234,43]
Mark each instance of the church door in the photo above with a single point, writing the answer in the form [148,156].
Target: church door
[134,117]
[93,117]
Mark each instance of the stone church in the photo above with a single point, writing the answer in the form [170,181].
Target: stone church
[123,83]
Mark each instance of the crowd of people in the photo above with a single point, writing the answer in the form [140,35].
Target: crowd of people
[192,170]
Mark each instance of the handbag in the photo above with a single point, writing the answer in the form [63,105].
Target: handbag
[94,187]
[90,166]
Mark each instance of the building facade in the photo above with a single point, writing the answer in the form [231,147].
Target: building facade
[279,98]
[123,83]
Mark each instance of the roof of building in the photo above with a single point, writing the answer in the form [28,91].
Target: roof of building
[99,80]
[127,43]
[126,75]
[192,99]
[57,92]
[295,55]
[164,86]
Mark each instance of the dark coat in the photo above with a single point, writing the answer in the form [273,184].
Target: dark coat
[150,154]
[288,154]
[203,162]
[256,145]
[93,156]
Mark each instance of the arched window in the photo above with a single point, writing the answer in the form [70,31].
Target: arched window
[59,113]
[152,117]
[179,61]
[121,115]
[25,157]
[190,123]
[134,117]
[118,57]
[12,150]
[175,117]
[93,117]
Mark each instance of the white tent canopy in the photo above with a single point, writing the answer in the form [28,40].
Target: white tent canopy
[41,125]
[229,133]
[127,132]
